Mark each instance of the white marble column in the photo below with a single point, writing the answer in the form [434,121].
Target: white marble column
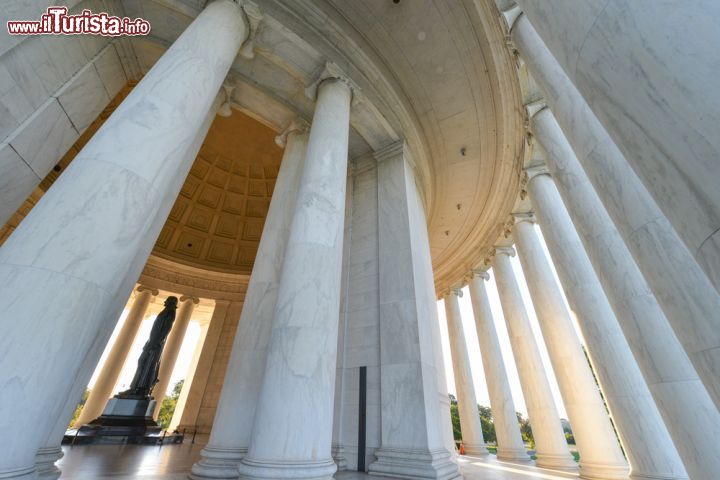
[550,444]
[416,433]
[189,378]
[188,417]
[647,71]
[600,453]
[472,436]
[292,439]
[103,388]
[103,216]
[687,297]
[687,409]
[51,451]
[631,405]
[232,426]
[510,445]
[171,350]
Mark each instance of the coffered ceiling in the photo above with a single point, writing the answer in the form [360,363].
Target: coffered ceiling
[218,217]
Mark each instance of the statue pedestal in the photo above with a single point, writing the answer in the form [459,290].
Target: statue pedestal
[124,420]
[126,417]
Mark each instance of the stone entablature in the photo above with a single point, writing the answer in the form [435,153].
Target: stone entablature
[168,275]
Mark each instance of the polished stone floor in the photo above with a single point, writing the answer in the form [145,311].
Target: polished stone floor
[173,462]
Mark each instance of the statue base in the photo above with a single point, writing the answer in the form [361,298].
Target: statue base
[126,416]
[124,420]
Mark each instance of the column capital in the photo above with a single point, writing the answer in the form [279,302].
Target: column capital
[509,251]
[511,16]
[186,298]
[253,17]
[534,108]
[536,170]
[225,109]
[477,273]
[331,71]
[297,124]
[456,290]
[524,217]
[392,150]
[143,288]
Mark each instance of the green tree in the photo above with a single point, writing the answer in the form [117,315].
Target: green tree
[486,421]
[488,427]
[168,405]
[525,430]
[455,418]
[79,407]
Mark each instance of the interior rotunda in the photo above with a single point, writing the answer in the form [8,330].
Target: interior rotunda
[358,206]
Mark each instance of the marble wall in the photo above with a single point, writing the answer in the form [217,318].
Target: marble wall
[51,90]
[361,342]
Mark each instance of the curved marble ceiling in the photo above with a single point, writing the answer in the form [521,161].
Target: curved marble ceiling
[435,72]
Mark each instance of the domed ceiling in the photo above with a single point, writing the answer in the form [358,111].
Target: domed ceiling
[218,217]
[435,73]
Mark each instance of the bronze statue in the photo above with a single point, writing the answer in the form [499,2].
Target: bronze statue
[149,362]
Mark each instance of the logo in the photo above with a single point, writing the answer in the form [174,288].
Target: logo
[56,21]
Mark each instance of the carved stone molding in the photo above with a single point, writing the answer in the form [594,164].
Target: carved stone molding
[331,71]
[509,251]
[163,274]
[392,150]
[524,217]
[535,170]
[480,274]
[254,17]
[297,124]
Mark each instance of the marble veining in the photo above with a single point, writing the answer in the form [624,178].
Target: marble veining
[687,296]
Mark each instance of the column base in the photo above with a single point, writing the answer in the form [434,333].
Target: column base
[23,473]
[475,450]
[603,472]
[556,462]
[264,469]
[218,462]
[45,463]
[653,476]
[413,464]
[338,454]
[513,455]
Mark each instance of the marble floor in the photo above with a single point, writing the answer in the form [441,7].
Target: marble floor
[173,462]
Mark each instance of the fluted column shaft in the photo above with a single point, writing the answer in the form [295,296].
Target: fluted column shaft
[646,69]
[232,426]
[626,393]
[103,216]
[690,302]
[472,435]
[686,407]
[303,344]
[510,444]
[600,452]
[550,444]
[103,388]
[172,349]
